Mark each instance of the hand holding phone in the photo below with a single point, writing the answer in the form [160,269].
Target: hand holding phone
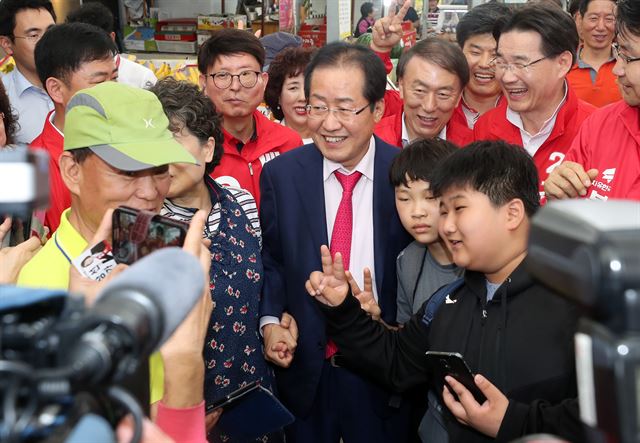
[442,364]
[139,233]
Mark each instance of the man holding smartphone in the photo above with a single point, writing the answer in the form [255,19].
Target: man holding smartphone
[117,149]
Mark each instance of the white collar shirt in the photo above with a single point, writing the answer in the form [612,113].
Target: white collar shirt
[532,143]
[362,251]
[405,133]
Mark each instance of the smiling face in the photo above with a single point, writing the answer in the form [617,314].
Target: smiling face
[97,186]
[535,88]
[344,141]
[418,210]
[293,102]
[236,101]
[480,50]
[472,228]
[430,95]
[598,25]
[628,74]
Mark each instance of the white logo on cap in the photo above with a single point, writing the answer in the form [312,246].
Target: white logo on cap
[148,123]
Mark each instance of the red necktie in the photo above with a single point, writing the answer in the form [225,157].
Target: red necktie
[342,230]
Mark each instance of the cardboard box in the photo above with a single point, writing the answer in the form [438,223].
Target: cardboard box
[213,22]
[203,36]
[139,38]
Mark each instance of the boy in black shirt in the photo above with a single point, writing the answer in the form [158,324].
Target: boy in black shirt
[508,327]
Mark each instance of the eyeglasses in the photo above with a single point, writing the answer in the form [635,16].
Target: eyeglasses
[501,65]
[620,56]
[247,79]
[345,115]
[31,38]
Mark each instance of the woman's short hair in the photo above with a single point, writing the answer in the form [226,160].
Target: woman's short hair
[288,63]
[187,107]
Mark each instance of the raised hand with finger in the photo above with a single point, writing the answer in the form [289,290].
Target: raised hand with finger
[387,31]
[367,301]
[330,286]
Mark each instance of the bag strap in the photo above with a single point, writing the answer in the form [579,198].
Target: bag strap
[433,304]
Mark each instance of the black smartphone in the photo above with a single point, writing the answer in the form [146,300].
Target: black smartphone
[442,364]
[138,233]
[229,399]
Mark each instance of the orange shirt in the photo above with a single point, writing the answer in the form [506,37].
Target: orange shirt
[598,88]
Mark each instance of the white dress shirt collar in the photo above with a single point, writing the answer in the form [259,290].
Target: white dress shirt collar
[405,133]
[365,166]
[533,142]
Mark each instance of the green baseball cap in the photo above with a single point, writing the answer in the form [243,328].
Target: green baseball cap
[124,126]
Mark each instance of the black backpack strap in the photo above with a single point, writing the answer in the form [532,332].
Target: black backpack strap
[433,304]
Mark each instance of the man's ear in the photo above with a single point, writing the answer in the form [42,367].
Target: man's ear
[401,88]
[202,79]
[378,110]
[55,88]
[71,172]
[565,61]
[6,44]
[265,80]
[515,214]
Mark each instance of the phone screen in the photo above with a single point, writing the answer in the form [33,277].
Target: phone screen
[134,237]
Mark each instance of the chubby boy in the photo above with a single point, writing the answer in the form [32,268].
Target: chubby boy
[509,328]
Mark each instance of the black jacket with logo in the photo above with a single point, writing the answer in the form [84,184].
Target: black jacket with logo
[521,340]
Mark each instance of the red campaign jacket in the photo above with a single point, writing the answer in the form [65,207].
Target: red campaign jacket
[609,141]
[389,129]
[51,141]
[241,169]
[393,104]
[494,125]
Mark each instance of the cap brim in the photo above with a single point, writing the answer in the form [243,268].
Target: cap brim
[138,156]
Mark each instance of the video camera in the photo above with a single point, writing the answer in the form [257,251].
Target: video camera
[63,365]
[24,188]
[589,251]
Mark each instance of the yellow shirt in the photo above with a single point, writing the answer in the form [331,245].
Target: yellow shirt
[49,268]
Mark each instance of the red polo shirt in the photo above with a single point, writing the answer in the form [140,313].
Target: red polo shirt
[599,91]
[51,140]
[493,125]
[242,168]
[609,141]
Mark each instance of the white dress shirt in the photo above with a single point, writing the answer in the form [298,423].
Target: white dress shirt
[362,255]
[531,143]
[30,103]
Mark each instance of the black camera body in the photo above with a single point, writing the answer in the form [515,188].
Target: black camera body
[589,251]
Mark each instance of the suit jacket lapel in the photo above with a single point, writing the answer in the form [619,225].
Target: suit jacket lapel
[311,193]
[382,207]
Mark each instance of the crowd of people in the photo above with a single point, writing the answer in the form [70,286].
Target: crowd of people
[326,227]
